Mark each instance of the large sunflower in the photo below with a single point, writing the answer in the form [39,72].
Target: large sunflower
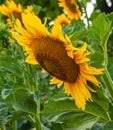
[13,9]
[71,8]
[57,56]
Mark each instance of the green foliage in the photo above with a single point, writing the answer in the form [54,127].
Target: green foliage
[108,126]
[28,102]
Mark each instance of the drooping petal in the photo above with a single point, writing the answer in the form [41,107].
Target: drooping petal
[34,25]
[56,81]
[74,91]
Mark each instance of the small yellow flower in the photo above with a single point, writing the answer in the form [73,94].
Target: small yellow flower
[71,8]
[67,64]
[13,9]
[62,19]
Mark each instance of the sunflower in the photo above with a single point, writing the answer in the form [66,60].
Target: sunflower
[62,19]
[71,8]
[54,52]
[13,9]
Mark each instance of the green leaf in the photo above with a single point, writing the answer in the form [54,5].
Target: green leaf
[110,66]
[56,126]
[10,67]
[97,38]
[6,93]
[14,92]
[76,120]
[100,28]
[58,103]
[83,2]
[108,126]
[110,17]
[72,119]
[16,115]
[98,126]
[100,104]
[111,111]
[36,9]
[99,111]
[26,104]
[101,99]
[3,107]
[78,35]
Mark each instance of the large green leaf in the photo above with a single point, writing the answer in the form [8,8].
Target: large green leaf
[59,104]
[97,39]
[101,99]
[78,120]
[100,29]
[101,104]
[62,109]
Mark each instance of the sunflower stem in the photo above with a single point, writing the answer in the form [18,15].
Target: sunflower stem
[108,116]
[36,121]
[27,71]
[3,128]
[108,82]
[14,125]
[86,15]
[106,76]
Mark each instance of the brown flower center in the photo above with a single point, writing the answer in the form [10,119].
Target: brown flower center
[52,56]
[17,15]
[72,5]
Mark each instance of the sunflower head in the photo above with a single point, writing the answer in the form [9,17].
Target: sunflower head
[62,19]
[11,9]
[71,8]
[56,62]
[68,65]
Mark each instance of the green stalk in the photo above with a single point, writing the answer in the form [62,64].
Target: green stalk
[108,82]
[35,118]
[3,128]
[109,118]
[14,125]
[106,76]
[88,25]
[86,15]
[36,121]
[27,71]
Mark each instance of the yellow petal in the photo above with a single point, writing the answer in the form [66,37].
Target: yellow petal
[91,78]
[56,81]
[75,92]
[31,60]
[34,25]
[57,32]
